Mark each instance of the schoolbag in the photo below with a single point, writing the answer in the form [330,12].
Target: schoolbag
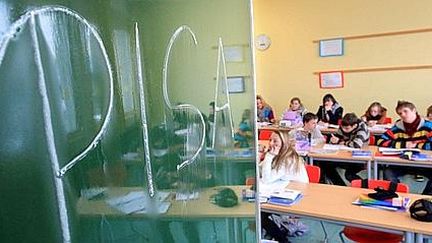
[421,210]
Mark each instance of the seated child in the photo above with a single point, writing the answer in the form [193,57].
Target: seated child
[310,122]
[244,134]
[429,113]
[281,163]
[294,113]
[411,131]
[330,112]
[264,111]
[375,114]
[353,133]
[309,132]
[428,117]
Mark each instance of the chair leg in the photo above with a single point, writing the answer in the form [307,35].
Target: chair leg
[341,236]
[244,234]
[214,236]
[325,232]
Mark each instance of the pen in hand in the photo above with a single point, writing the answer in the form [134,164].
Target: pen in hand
[334,139]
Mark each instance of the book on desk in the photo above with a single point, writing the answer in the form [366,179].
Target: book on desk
[395,151]
[421,157]
[285,197]
[338,147]
[394,204]
[413,154]
[323,151]
[361,153]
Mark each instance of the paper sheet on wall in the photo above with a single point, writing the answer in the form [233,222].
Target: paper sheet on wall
[331,80]
[332,47]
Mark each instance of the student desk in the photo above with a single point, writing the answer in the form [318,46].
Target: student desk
[345,156]
[330,130]
[231,167]
[334,204]
[393,160]
[225,167]
[199,209]
[274,127]
[341,156]
[324,130]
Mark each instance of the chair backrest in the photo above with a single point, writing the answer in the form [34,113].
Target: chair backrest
[372,139]
[264,134]
[387,120]
[314,173]
[381,183]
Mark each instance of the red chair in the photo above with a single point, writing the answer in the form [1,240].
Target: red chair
[372,140]
[314,173]
[364,235]
[387,120]
[264,134]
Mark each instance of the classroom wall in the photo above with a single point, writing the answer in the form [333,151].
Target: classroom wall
[286,68]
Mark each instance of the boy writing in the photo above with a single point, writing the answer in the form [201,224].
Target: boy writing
[353,133]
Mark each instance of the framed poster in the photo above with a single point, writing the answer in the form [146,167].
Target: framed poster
[331,47]
[331,80]
[236,84]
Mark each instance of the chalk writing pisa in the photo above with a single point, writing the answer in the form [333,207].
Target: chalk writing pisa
[48,31]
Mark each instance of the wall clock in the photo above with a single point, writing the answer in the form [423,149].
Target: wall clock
[262,42]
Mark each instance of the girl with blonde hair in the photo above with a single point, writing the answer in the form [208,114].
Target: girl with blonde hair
[282,162]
